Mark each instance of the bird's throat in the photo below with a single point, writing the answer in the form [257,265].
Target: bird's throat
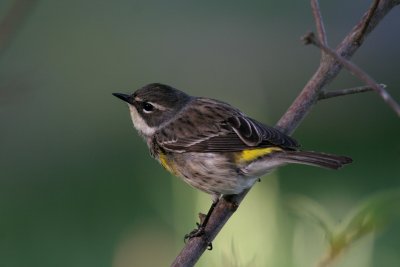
[139,123]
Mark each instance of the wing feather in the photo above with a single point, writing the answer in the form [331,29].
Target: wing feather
[230,130]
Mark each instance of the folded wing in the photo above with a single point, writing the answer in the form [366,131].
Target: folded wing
[213,126]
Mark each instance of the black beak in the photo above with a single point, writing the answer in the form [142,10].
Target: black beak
[124,97]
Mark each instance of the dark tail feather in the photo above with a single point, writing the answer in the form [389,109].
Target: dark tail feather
[315,158]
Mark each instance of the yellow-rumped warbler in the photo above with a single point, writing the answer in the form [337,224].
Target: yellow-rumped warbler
[211,145]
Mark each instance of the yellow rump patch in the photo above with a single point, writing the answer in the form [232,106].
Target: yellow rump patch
[252,154]
[165,164]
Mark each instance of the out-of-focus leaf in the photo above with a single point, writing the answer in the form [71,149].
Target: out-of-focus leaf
[311,210]
[372,214]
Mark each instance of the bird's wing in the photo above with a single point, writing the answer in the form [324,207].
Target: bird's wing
[211,126]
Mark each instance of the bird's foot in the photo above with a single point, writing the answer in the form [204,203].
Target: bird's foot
[199,231]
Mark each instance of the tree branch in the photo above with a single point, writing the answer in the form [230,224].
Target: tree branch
[329,68]
[356,71]
[318,22]
[326,72]
[367,20]
[348,91]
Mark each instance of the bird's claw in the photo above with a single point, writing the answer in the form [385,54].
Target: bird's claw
[195,233]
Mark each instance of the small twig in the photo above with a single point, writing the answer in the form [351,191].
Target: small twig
[348,91]
[355,70]
[319,22]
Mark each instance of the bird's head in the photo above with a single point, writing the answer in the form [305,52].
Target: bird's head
[154,105]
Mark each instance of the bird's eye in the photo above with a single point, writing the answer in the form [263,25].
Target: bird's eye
[147,107]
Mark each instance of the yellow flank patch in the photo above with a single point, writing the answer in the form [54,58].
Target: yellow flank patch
[165,164]
[252,154]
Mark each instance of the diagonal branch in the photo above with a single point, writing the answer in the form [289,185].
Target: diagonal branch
[356,71]
[329,68]
[326,72]
[367,20]
[318,22]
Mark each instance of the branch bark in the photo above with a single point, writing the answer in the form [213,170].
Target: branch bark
[347,91]
[326,72]
[329,68]
[319,25]
[356,71]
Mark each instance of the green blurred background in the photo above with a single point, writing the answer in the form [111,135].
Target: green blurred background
[77,185]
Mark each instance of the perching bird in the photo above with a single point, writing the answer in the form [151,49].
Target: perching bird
[212,145]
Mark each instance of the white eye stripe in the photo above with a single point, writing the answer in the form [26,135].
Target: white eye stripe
[157,106]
